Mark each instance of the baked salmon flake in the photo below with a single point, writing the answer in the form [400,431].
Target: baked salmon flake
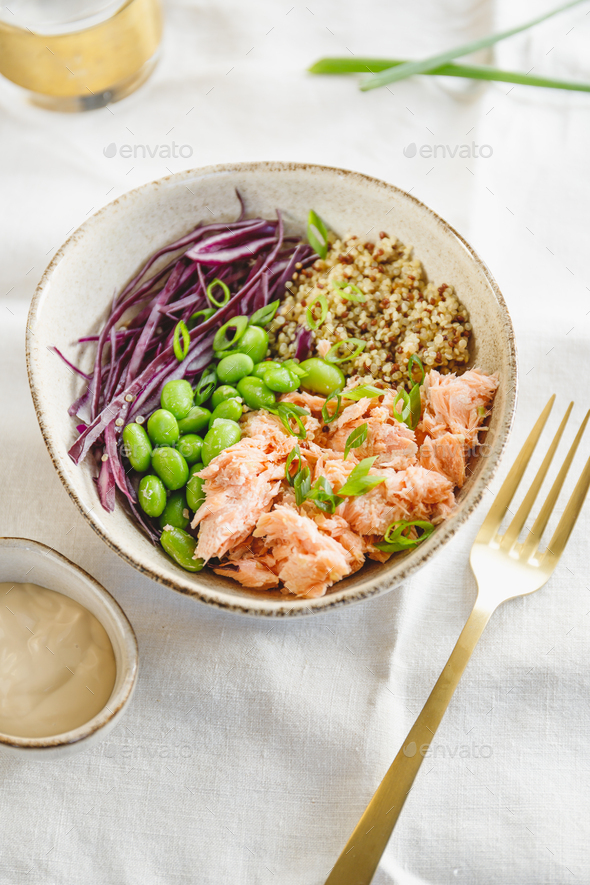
[250,521]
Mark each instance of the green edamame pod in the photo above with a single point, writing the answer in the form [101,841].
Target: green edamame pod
[229,408]
[162,428]
[171,467]
[226,391]
[222,434]
[190,446]
[254,342]
[255,393]
[281,380]
[175,512]
[260,369]
[152,495]
[181,546]
[235,366]
[194,490]
[196,420]
[177,397]
[322,377]
[137,447]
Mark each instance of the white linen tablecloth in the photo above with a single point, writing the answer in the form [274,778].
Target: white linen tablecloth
[252,746]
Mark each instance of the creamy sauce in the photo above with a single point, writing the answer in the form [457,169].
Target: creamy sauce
[57,667]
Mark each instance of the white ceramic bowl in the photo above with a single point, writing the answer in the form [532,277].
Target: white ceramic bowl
[29,561]
[77,288]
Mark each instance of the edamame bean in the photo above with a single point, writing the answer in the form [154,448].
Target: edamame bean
[254,342]
[181,547]
[233,367]
[175,512]
[190,446]
[322,377]
[162,428]
[194,489]
[171,467]
[137,447]
[229,408]
[222,435]
[255,393]
[281,380]
[177,397]
[196,420]
[261,368]
[152,495]
[226,391]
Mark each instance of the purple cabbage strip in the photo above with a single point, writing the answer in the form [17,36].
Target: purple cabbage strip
[255,260]
[70,365]
[304,339]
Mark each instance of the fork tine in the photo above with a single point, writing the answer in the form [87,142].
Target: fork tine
[567,522]
[531,543]
[513,531]
[508,488]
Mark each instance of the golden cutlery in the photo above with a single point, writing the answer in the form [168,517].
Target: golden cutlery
[504,568]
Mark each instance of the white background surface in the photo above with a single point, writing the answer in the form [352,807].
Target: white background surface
[252,747]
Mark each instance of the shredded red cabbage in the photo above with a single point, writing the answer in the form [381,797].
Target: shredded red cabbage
[134,357]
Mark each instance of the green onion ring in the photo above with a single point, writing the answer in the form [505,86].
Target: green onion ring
[221,342]
[225,289]
[332,355]
[181,350]
[311,320]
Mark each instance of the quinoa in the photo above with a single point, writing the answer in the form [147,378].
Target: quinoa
[403,313]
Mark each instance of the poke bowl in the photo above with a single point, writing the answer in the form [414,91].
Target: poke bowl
[385,382]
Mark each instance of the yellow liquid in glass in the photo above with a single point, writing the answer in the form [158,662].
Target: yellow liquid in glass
[86,68]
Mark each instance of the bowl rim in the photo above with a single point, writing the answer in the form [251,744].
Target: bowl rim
[118,699]
[266,606]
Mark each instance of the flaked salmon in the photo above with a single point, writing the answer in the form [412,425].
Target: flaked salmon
[257,532]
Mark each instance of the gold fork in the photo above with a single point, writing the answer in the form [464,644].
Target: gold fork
[504,569]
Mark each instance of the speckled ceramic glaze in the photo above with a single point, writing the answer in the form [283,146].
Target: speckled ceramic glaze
[22,560]
[101,256]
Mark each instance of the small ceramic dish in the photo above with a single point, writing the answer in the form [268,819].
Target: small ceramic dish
[25,561]
[77,288]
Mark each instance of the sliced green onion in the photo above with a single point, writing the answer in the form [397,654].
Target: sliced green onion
[221,341]
[406,411]
[323,496]
[332,355]
[415,359]
[317,235]
[356,439]
[206,385]
[471,72]
[415,404]
[264,316]
[400,72]
[302,486]
[206,313]
[312,323]
[355,293]
[326,417]
[364,390]
[295,368]
[395,538]
[359,482]
[294,454]
[287,412]
[181,349]
[481,412]
[225,290]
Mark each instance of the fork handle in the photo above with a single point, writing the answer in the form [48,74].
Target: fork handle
[362,853]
